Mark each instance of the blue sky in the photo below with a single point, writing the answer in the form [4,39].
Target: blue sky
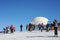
[18,12]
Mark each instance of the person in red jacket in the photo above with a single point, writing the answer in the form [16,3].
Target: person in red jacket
[12,28]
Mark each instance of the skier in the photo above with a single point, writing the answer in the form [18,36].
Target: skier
[55,27]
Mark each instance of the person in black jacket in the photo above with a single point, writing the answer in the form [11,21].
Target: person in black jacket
[21,26]
[55,27]
[30,27]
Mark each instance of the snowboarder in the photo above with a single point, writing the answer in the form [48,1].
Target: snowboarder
[55,27]
[21,26]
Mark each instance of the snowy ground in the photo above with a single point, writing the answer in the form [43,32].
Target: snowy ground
[35,35]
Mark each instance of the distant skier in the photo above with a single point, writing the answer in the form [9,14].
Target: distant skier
[21,26]
[55,27]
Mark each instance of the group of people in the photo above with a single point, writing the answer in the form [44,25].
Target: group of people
[8,29]
[41,27]
[31,27]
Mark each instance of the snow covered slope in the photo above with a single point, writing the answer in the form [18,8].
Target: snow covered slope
[35,35]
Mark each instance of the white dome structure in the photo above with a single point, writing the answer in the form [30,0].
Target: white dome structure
[39,20]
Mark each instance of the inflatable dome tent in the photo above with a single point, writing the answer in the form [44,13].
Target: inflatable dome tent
[39,20]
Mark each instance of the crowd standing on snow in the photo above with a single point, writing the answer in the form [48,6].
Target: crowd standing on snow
[30,27]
